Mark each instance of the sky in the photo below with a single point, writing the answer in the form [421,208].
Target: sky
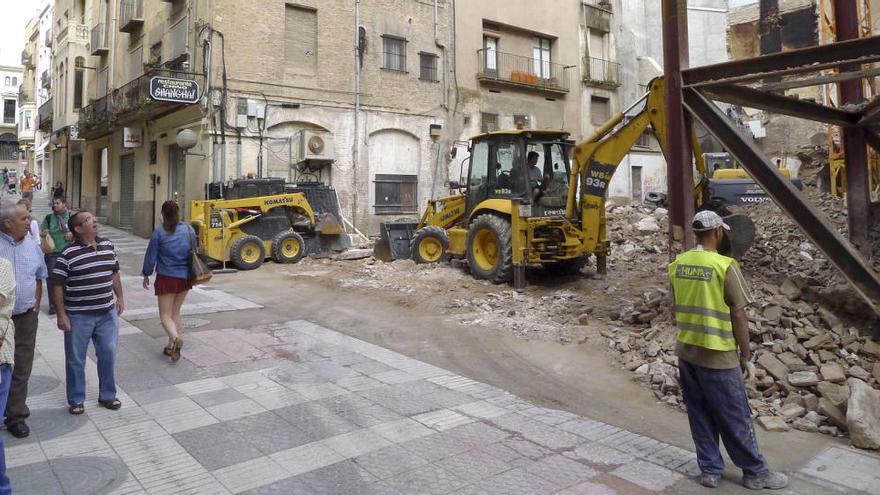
[15,15]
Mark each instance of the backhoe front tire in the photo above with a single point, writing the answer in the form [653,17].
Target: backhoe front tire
[490,249]
[430,245]
[247,252]
[288,247]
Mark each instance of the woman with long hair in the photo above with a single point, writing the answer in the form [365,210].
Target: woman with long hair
[169,253]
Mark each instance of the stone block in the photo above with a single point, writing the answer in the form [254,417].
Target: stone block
[818,341]
[858,372]
[863,415]
[773,366]
[832,372]
[832,412]
[792,411]
[811,402]
[803,379]
[837,394]
[872,347]
[773,423]
[804,425]
[876,372]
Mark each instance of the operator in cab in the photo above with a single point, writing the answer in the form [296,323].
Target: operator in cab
[536,177]
[710,298]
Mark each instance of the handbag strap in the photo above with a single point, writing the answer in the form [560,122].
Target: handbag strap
[189,234]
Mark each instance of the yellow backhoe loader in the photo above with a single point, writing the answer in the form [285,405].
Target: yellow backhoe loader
[514,211]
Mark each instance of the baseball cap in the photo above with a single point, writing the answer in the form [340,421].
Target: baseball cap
[708,220]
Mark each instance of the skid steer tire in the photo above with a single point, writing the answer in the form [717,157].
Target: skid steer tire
[489,249]
[430,245]
[248,252]
[288,247]
[567,267]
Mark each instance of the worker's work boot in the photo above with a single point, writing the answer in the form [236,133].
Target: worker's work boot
[769,480]
[710,480]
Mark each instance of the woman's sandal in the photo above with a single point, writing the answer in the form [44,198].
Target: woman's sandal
[112,404]
[76,409]
[168,350]
[175,349]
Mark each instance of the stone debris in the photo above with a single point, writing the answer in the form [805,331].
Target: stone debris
[773,423]
[863,415]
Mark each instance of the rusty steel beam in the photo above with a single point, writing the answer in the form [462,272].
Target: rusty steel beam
[775,103]
[860,51]
[819,80]
[870,114]
[680,176]
[810,220]
[855,151]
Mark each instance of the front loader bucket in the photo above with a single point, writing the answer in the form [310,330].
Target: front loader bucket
[740,237]
[395,241]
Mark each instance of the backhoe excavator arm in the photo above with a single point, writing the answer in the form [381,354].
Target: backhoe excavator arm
[595,160]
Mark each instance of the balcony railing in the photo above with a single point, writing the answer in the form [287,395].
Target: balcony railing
[98,41]
[526,72]
[602,4]
[25,95]
[27,58]
[45,81]
[44,116]
[48,39]
[131,102]
[131,15]
[600,72]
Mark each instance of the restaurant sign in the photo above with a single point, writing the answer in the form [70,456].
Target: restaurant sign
[174,90]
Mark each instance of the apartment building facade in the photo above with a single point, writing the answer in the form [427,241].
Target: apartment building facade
[10,77]
[38,49]
[27,109]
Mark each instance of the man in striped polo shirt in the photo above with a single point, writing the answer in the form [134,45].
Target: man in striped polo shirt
[86,277]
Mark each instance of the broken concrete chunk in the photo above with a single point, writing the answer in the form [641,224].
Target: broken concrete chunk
[772,313]
[832,412]
[790,289]
[836,394]
[876,372]
[791,360]
[811,402]
[858,372]
[818,341]
[773,366]
[773,423]
[830,319]
[804,425]
[803,378]
[863,415]
[815,418]
[872,348]
[832,372]
[792,411]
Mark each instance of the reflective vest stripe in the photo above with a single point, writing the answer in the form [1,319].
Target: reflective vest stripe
[680,308]
[693,327]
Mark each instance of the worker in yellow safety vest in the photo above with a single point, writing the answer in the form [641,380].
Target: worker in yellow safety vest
[710,299]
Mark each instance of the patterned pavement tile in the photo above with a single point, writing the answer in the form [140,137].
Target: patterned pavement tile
[235,409]
[268,432]
[478,434]
[250,474]
[149,396]
[429,480]
[401,430]
[287,486]
[474,465]
[443,419]
[390,461]
[561,470]
[315,420]
[526,448]
[306,458]
[601,456]
[517,481]
[356,443]
[437,446]
[647,475]
[217,397]
[210,445]
[588,488]
[370,416]
[342,477]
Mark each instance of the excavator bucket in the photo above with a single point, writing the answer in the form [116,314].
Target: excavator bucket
[739,238]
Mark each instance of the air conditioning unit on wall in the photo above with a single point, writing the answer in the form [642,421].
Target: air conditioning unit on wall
[313,145]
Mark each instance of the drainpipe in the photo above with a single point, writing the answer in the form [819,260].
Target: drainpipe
[357,110]
[440,144]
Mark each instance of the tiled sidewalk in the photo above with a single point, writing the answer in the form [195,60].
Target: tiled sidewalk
[298,408]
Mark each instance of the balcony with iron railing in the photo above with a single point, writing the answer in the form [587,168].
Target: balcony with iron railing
[601,73]
[48,39]
[27,58]
[131,15]
[45,80]
[506,69]
[73,33]
[25,95]
[98,41]
[132,102]
[45,115]
[601,4]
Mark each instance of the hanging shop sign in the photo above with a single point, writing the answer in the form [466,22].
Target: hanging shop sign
[174,90]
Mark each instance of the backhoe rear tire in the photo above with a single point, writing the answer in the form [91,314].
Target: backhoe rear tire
[567,267]
[489,249]
[247,252]
[430,245]
[288,247]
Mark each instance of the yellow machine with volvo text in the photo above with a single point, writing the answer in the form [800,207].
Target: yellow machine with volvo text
[534,198]
[256,219]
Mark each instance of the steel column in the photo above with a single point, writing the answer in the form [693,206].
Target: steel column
[811,221]
[855,151]
[678,152]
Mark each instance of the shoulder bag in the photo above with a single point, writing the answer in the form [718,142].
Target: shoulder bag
[199,273]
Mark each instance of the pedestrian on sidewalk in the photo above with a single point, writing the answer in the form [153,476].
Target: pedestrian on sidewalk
[7,353]
[18,248]
[57,191]
[86,278]
[55,225]
[27,186]
[169,253]
[34,226]
[710,299]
